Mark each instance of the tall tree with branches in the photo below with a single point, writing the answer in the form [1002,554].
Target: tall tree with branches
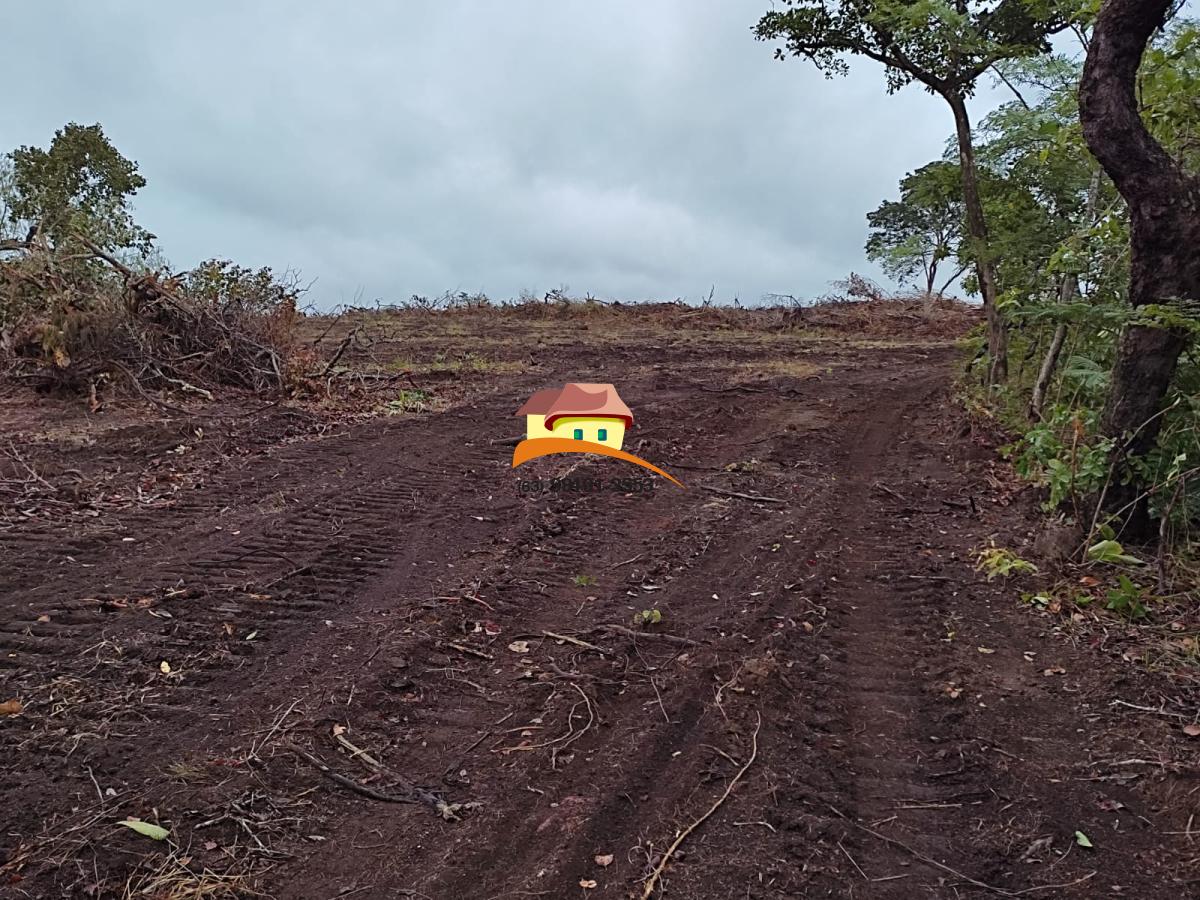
[1164,264]
[944,45]
[917,233]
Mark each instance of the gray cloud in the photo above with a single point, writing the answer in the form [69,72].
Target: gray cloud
[631,149]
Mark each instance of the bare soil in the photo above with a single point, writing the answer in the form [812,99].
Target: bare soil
[293,642]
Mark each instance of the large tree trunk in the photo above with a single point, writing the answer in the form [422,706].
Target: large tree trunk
[1164,211]
[977,232]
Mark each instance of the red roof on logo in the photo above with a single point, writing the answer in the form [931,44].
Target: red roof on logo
[577,399]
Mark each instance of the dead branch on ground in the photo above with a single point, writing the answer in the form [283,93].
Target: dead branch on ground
[652,881]
[650,635]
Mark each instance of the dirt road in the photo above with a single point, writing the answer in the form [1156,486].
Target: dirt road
[388,602]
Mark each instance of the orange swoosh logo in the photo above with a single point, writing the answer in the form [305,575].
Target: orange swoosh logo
[532,448]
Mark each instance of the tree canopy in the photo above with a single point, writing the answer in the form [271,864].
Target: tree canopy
[917,233]
[80,184]
[945,46]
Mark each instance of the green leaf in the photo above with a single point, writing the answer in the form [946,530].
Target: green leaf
[149,829]
[1111,552]
[1082,840]
[648,617]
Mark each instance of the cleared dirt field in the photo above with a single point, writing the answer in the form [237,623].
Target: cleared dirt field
[264,640]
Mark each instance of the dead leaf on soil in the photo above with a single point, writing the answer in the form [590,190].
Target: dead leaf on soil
[1192,730]
[986,650]
[11,707]
[604,860]
[1057,670]
[519,646]
[1039,846]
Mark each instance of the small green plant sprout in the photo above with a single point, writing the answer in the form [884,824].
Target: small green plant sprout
[647,617]
[1109,551]
[1040,600]
[1126,599]
[996,561]
[408,401]
[749,465]
[584,581]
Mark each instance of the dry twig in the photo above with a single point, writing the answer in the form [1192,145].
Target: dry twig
[652,635]
[652,881]
[740,496]
[578,643]
[916,854]
[448,811]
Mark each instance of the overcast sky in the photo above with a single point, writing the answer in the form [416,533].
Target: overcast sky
[631,149]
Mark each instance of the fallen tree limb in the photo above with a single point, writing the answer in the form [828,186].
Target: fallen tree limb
[99,253]
[652,881]
[348,783]
[1003,892]
[577,642]
[471,651]
[448,811]
[755,497]
[189,388]
[170,407]
[333,360]
[651,635]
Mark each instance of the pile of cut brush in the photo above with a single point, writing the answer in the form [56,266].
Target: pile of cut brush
[79,319]
[858,305]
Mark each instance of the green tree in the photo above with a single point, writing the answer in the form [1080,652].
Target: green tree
[1163,197]
[944,46]
[921,230]
[1044,226]
[8,228]
[80,184]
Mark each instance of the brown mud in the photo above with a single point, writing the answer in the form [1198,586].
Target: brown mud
[383,597]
